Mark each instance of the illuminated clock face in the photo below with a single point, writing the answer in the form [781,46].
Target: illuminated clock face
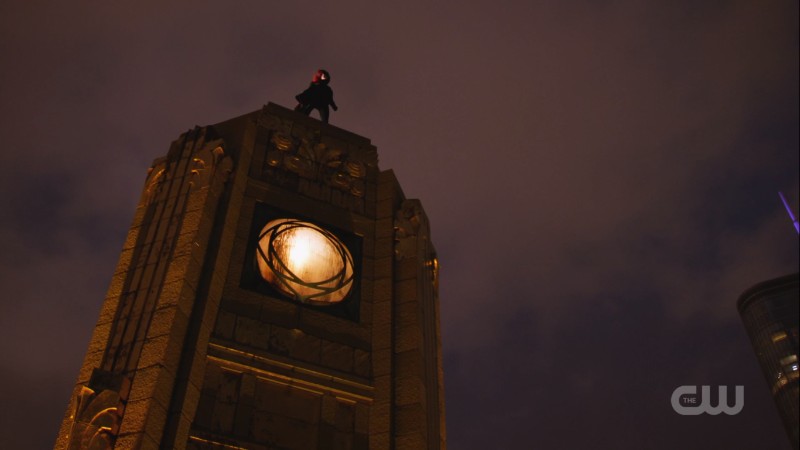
[304,262]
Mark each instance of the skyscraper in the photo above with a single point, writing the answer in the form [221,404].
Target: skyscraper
[276,290]
[770,314]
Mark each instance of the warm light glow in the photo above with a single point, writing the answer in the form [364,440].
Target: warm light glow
[779,336]
[305,261]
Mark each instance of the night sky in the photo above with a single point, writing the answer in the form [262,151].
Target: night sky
[601,179]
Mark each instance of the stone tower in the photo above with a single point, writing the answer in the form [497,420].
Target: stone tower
[275,291]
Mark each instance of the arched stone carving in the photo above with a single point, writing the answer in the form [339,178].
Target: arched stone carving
[96,419]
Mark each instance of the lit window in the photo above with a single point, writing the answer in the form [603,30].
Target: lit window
[304,261]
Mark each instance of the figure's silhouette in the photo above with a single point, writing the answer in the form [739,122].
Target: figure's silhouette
[318,96]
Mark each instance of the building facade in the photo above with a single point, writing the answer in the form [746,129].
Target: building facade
[275,291]
[770,314]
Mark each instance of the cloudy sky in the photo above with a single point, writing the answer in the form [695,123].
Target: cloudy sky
[601,179]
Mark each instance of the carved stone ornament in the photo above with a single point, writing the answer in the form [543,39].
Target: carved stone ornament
[206,162]
[155,179]
[203,167]
[407,222]
[312,159]
[96,420]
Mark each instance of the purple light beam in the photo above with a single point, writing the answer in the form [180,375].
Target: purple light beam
[789,210]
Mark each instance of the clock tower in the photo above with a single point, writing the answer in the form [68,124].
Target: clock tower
[275,291]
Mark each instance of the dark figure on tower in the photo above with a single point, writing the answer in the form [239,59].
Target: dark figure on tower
[318,96]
